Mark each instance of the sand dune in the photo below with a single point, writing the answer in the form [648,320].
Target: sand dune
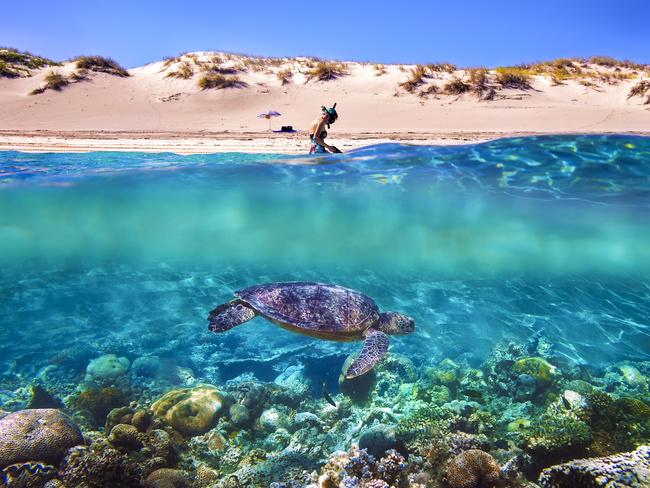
[372,107]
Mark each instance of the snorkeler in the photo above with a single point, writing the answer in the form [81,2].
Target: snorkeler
[317,132]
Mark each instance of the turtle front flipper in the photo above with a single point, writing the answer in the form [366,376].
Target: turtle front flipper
[229,315]
[374,348]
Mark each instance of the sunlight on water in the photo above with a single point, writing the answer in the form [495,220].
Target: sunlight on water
[478,242]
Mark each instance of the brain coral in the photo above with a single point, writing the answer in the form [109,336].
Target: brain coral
[191,411]
[472,469]
[36,435]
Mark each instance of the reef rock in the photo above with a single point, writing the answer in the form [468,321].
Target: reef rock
[628,470]
[191,411]
[106,369]
[472,469]
[36,435]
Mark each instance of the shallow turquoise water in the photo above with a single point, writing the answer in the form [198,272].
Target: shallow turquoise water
[514,239]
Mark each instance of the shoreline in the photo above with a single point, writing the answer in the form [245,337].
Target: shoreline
[206,142]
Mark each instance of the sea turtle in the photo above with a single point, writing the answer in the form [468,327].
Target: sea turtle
[315,309]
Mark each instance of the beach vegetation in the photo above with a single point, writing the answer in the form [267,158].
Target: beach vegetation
[53,81]
[220,70]
[590,84]
[438,68]
[327,70]
[219,81]
[183,71]
[78,75]
[284,76]
[169,60]
[478,79]
[100,64]
[513,78]
[432,89]
[456,86]
[380,69]
[15,63]
[610,62]
[415,79]
[640,90]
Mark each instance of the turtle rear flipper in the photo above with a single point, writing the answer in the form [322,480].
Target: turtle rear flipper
[229,315]
[374,348]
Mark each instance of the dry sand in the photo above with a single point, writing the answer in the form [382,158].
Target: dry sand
[149,112]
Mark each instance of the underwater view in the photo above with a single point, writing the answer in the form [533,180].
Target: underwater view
[520,270]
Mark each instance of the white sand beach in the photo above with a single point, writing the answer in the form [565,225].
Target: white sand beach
[152,111]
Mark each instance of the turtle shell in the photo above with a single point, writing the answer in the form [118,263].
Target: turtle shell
[313,308]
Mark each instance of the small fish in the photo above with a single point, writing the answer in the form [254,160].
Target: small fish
[473,394]
[327,396]
[566,403]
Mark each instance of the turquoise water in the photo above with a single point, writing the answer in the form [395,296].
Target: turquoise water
[515,239]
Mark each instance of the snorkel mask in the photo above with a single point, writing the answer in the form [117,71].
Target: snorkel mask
[332,114]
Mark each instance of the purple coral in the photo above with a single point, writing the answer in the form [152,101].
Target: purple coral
[631,469]
[37,435]
[363,471]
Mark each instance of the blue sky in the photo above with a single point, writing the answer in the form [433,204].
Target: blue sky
[468,33]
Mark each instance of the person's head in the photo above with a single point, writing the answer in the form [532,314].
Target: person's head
[395,323]
[331,113]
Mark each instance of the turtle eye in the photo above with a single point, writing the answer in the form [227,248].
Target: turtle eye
[239,307]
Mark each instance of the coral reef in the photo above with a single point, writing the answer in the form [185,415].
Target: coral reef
[36,435]
[98,467]
[27,475]
[105,369]
[472,469]
[94,404]
[191,411]
[628,470]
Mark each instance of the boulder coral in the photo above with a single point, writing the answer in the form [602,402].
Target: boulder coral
[191,411]
[472,469]
[538,368]
[106,369]
[629,470]
[37,435]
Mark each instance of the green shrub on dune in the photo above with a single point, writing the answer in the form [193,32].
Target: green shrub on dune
[100,64]
[53,81]
[15,63]
[219,81]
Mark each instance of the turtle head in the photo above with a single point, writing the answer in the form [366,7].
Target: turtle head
[229,315]
[395,323]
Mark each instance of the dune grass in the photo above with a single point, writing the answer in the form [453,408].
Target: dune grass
[513,78]
[432,89]
[184,71]
[380,69]
[456,86]
[100,64]
[416,78]
[438,68]
[640,90]
[327,70]
[53,81]
[15,63]
[284,76]
[219,81]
